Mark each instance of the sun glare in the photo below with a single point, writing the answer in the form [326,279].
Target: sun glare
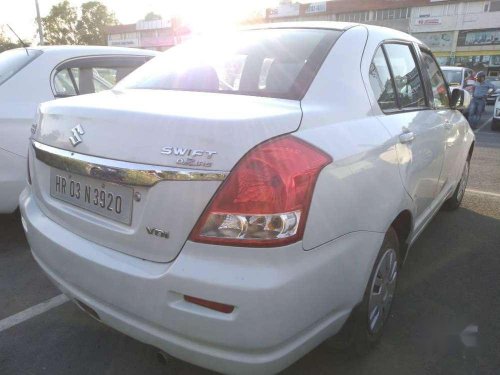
[204,16]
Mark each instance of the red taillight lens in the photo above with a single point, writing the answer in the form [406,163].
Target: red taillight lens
[265,199]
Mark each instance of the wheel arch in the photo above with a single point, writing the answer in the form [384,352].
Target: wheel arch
[403,224]
[471,150]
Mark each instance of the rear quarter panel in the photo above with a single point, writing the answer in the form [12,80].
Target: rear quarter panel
[361,190]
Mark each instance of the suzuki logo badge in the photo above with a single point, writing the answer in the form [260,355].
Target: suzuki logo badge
[77,131]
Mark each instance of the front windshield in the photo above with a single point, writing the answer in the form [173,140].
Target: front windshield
[274,62]
[453,77]
[14,60]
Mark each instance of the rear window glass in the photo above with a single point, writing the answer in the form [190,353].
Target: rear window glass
[274,62]
[453,77]
[14,60]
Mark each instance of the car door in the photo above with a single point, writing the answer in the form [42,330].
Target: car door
[417,131]
[88,75]
[452,121]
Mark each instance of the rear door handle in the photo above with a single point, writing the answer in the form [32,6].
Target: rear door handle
[406,137]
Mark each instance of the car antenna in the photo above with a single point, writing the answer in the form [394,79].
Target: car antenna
[20,40]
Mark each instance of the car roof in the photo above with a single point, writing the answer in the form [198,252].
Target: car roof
[377,31]
[304,25]
[92,50]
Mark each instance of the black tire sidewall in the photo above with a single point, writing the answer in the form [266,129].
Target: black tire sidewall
[454,202]
[495,124]
[363,338]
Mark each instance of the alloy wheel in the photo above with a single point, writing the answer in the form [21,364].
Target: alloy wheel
[382,290]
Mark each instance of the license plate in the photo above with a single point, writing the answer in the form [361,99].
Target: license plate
[103,198]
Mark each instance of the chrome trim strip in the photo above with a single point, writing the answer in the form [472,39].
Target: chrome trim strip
[133,174]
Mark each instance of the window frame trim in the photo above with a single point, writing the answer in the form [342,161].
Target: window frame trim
[68,64]
[421,50]
[417,61]
[73,81]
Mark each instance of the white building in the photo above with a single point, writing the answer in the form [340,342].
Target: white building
[460,32]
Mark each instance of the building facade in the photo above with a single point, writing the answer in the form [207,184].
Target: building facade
[460,32]
[158,35]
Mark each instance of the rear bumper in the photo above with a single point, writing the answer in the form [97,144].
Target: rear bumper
[287,300]
[12,180]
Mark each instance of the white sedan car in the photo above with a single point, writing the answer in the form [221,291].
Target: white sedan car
[239,200]
[495,122]
[34,75]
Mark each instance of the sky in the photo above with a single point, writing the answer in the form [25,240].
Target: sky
[21,14]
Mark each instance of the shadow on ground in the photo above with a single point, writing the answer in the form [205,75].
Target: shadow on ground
[445,319]
[22,282]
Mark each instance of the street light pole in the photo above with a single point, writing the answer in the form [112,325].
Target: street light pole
[39,20]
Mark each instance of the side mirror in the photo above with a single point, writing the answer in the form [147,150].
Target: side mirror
[458,99]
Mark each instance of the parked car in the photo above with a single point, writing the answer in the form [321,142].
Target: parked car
[457,76]
[462,78]
[38,74]
[491,99]
[244,223]
[495,122]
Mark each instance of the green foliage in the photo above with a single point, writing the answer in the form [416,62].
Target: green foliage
[152,16]
[91,27]
[62,25]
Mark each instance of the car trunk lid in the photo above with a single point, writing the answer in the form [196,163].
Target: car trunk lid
[164,153]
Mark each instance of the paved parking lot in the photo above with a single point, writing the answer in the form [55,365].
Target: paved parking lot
[446,319]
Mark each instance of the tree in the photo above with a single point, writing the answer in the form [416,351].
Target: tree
[91,28]
[152,16]
[60,25]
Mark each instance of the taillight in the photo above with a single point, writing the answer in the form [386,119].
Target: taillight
[265,199]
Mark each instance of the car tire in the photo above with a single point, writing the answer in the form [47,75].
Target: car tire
[455,200]
[495,124]
[362,330]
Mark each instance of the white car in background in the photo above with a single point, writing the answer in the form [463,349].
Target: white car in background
[495,122]
[458,76]
[462,78]
[266,208]
[495,81]
[34,75]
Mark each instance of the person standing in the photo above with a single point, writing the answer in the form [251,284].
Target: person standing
[481,90]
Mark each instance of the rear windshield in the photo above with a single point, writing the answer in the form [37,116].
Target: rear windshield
[14,60]
[453,77]
[277,63]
